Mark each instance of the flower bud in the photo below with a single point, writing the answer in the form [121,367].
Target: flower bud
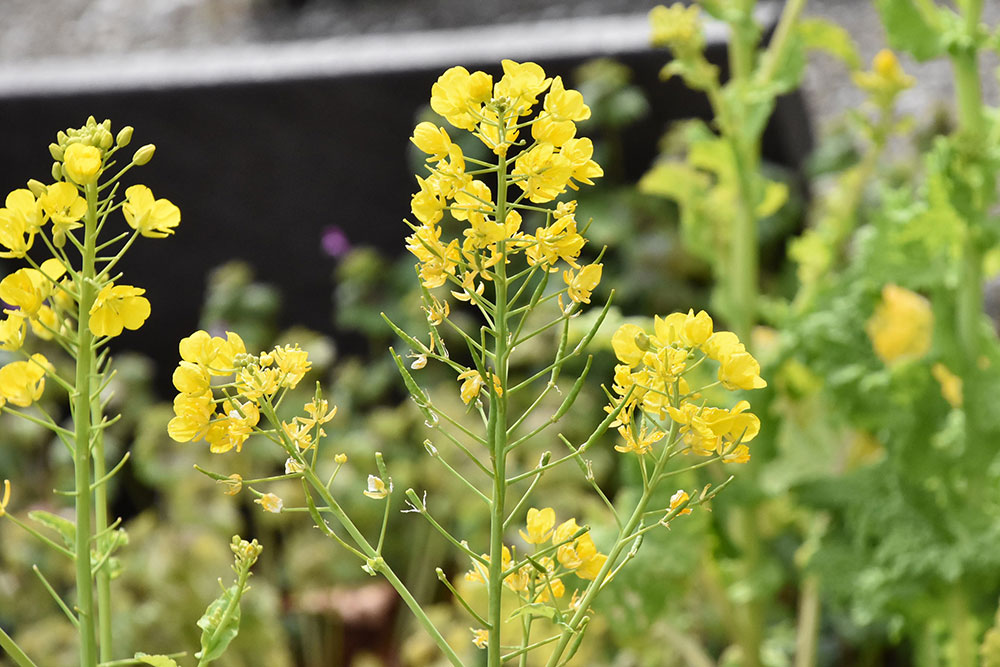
[37,187]
[104,139]
[56,151]
[56,171]
[642,341]
[124,137]
[61,137]
[340,459]
[144,154]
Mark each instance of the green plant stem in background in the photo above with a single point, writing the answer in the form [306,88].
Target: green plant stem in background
[101,524]
[85,364]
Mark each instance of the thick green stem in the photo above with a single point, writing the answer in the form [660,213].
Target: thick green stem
[100,527]
[85,363]
[963,631]
[497,434]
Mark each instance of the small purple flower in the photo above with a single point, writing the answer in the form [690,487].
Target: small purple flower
[334,241]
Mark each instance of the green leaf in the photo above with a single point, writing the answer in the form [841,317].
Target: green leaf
[215,639]
[535,610]
[63,526]
[822,35]
[909,29]
[155,660]
[674,180]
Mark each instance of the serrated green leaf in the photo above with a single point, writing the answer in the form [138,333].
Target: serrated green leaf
[909,30]
[215,639]
[63,526]
[155,660]
[822,35]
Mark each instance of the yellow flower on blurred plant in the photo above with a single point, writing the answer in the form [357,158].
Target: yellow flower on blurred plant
[23,382]
[472,384]
[63,204]
[377,488]
[28,288]
[540,524]
[679,499]
[480,637]
[118,307]
[192,416]
[542,173]
[12,331]
[521,84]
[431,139]
[271,503]
[82,163]
[233,484]
[151,217]
[293,363]
[951,384]
[902,325]
[580,285]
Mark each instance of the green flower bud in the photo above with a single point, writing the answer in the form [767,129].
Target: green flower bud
[37,187]
[61,137]
[103,138]
[642,342]
[57,171]
[56,151]
[144,154]
[124,137]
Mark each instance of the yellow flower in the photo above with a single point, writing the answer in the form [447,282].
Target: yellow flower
[560,240]
[377,488]
[901,327]
[28,288]
[215,354]
[19,222]
[542,173]
[12,331]
[886,80]
[298,433]
[431,139]
[580,285]
[520,85]
[271,503]
[437,261]
[63,204]
[153,218]
[189,378]
[480,637]
[625,343]
[23,382]
[578,153]
[82,163]
[319,413]
[192,416]
[473,383]
[951,384]
[679,499]
[233,429]
[459,96]
[677,27]
[540,524]
[233,484]
[293,363]
[642,444]
[428,204]
[254,382]
[118,307]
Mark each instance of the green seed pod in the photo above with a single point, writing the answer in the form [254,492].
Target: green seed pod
[124,137]
[144,154]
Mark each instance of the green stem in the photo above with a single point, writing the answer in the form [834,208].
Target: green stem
[100,526]
[11,648]
[234,603]
[381,566]
[808,622]
[81,458]
[497,435]
[963,632]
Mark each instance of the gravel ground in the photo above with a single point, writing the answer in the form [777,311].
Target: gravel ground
[103,27]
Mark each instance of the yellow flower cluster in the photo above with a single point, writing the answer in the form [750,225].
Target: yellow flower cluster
[886,80]
[247,383]
[574,552]
[651,377]
[45,296]
[552,161]
[902,325]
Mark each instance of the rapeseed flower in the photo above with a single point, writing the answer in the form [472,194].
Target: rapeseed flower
[82,163]
[23,382]
[902,325]
[151,217]
[118,307]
